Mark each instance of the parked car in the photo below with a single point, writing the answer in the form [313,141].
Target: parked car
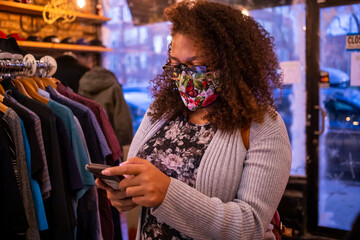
[337,78]
[342,136]
[343,111]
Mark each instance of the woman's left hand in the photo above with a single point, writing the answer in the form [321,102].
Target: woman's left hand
[147,185]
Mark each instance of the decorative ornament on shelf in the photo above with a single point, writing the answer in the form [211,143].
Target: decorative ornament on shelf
[56,9]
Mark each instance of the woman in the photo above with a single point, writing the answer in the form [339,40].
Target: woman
[188,166]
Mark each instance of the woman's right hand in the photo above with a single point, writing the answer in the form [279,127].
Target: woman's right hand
[118,199]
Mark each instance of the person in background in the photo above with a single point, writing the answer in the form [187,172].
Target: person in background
[212,157]
[101,85]
[78,71]
[87,59]
[70,70]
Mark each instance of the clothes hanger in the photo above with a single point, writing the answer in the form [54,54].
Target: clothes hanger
[48,81]
[2,90]
[3,107]
[20,87]
[55,80]
[39,82]
[33,82]
[32,89]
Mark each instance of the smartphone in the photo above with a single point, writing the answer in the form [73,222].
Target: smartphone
[112,181]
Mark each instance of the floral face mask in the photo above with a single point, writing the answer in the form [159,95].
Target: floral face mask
[198,87]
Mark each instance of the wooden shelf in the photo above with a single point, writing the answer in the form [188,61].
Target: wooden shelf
[36,10]
[61,47]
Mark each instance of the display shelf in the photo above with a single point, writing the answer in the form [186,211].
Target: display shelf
[61,46]
[36,10]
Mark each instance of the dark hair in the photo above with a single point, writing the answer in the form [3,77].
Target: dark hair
[236,45]
[69,71]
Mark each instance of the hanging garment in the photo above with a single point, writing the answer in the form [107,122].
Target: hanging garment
[84,115]
[101,119]
[78,146]
[89,227]
[82,137]
[12,127]
[71,175]
[70,170]
[39,169]
[95,139]
[35,188]
[80,154]
[101,85]
[14,222]
[56,206]
[107,224]
[110,137]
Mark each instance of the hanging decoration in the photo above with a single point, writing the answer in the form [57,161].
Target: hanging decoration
[56,9]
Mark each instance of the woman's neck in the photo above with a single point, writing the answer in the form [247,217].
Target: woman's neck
[197,117]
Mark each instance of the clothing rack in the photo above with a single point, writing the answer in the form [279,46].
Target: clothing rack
[14,65]
[46,66]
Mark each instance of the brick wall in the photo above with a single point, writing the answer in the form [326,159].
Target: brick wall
[34,25]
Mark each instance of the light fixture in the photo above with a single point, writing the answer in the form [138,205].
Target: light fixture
[81,3]
[347,118]
[356,123]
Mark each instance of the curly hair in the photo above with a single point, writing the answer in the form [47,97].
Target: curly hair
[236,45]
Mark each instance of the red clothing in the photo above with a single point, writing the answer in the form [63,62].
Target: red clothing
[101,118]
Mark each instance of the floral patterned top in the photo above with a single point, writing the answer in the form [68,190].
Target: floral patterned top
[176,149]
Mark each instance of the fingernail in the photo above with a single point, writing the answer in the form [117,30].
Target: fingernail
[105,172]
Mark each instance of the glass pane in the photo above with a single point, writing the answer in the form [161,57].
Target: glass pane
[287,25]
[139,52]
[339,149]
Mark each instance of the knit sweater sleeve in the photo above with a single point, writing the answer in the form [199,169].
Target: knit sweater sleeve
[263,181]
[140,134]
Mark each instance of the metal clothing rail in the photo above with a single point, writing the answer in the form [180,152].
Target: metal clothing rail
[14,65]
[46,66]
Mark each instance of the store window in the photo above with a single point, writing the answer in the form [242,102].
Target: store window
[287,26]
[139,52]
[339,145]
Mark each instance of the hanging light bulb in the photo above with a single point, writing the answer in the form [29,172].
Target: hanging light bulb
[81,3]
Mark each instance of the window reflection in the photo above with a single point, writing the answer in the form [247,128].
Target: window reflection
[339,146]
[286,24]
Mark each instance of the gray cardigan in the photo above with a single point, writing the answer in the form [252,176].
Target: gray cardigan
[237,191]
